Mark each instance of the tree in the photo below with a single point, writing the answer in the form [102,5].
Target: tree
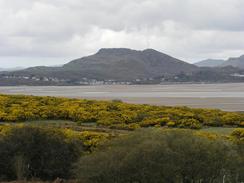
[28,152]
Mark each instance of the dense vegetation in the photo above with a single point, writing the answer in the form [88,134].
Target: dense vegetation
[98,145]
[152,156]
[30,151]
[149,155]
[36,152]
[114,114]
[238,134]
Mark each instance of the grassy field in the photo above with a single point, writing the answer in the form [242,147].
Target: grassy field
[219,130]
[65,124]
[93,127]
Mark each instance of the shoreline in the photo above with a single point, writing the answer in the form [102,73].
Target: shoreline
[229,97]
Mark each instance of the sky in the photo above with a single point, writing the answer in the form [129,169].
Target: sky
[53,32]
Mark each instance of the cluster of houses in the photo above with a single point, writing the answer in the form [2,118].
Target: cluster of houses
[83,81]
[105,82]
[238,75]
[34,78]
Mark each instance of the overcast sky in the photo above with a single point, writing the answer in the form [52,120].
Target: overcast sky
[52,32]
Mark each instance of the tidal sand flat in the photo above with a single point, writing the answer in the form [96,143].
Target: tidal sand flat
[228,97]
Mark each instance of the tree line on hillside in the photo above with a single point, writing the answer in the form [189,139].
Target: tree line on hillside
[145,156]
[113,114]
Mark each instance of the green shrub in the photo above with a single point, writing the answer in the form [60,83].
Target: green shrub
[150,156]
[44,153]
[238,134]
[189,123]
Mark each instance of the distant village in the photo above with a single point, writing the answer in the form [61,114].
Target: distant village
[89,81]
[83,81]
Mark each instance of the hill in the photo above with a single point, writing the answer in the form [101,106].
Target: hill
[235,62]
[115,64]
[210,63]
[127,64]
[121,66]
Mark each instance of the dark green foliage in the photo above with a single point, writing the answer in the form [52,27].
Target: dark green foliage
[238,137]
[156,156]
[27,152]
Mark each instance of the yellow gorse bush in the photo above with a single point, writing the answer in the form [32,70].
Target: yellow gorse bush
[114,114]
[88,139]
[238,134]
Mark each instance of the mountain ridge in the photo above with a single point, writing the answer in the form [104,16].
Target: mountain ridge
[232,61]
[121,65]
[210,63]
[134,64]
[235,62]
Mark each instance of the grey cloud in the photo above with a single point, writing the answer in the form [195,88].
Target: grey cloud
[187,29]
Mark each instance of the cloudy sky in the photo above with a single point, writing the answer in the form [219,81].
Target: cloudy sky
[52,32]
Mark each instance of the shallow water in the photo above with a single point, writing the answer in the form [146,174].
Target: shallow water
[222,96]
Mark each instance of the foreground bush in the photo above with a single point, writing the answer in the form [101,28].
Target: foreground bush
[152,156]
[27,152]
[238,137]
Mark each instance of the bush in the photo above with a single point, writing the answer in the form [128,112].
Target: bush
[104,113]
[189,123]
[27,152]
[151,156]
[150,122]
[238,134]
